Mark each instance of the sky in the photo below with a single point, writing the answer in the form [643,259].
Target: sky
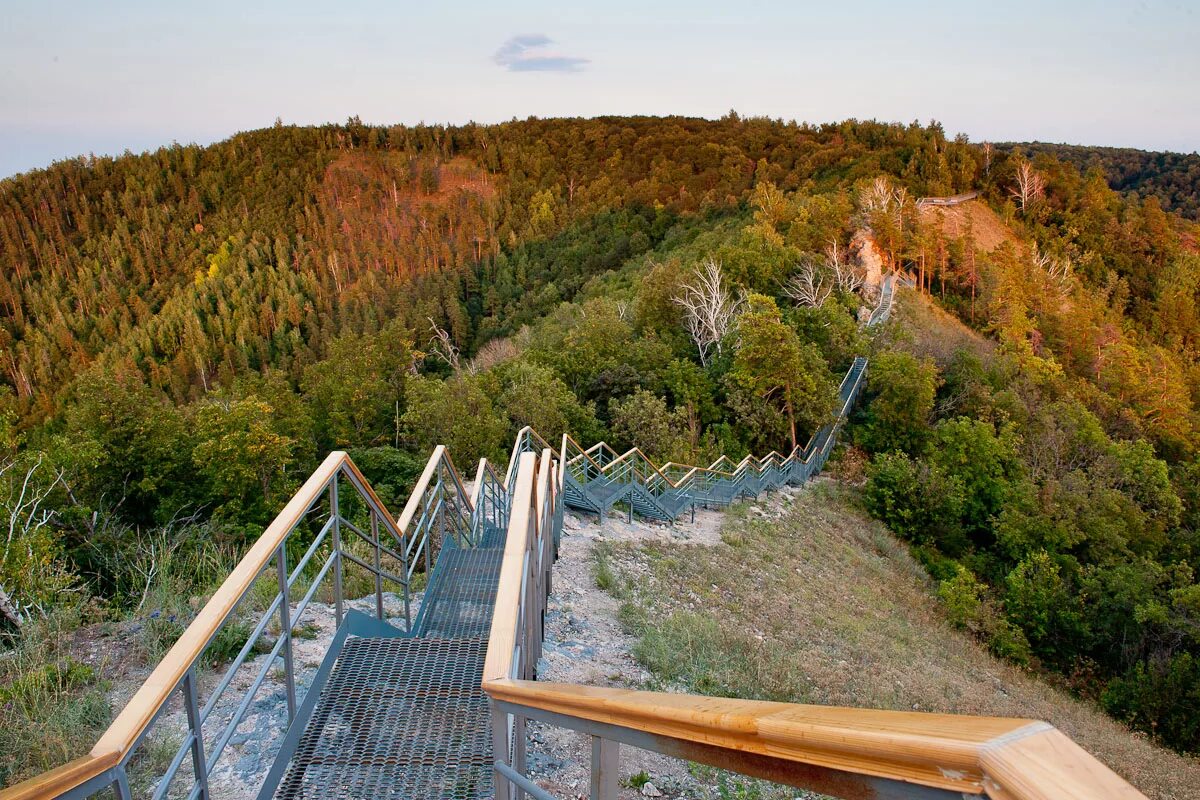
[91,77]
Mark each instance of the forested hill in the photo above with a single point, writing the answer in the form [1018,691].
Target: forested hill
[192,265]
[183,335]
[1174,178]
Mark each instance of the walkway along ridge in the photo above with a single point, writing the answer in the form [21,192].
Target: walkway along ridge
[434,704]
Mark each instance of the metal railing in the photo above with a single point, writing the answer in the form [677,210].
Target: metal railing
[334,521]
[843,752]
[600,476]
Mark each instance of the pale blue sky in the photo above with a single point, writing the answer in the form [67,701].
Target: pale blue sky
[78,77]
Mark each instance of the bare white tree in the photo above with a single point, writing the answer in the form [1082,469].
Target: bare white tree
[709,309]
[988,149]
[1059,270]
[877,196]
[847,275]
[809,284]
[442,346]
[495,352]
[1030,188]
[24,507]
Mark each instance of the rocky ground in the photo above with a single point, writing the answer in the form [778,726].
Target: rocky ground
[585,643]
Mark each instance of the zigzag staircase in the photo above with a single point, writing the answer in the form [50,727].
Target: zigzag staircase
[436,705]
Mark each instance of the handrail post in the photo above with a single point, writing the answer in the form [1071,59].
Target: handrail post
[335,511]
[378,566]
[605,767]
[285,629]
[519,751]
[120,787]
[191,702]
[500,752]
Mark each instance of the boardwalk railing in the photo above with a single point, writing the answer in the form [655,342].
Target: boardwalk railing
[335,522]
[843,752]
[599,477]
[953,200]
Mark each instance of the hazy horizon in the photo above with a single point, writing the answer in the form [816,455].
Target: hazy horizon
[78,79]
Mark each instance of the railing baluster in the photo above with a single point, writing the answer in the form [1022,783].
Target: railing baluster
[191,703]
[335,511]
[500,752]
[519,752]
[378,566]
[285,628]
[121,786]
[605,767]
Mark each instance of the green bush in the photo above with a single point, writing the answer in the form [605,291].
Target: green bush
[901,390]
[918,501]
[392,473]
[962,596]
[1162,699]
[1041,602]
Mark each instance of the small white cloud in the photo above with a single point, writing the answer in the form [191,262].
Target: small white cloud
[531,52]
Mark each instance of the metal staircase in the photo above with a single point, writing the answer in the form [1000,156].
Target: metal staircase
[397,708]
[599,478]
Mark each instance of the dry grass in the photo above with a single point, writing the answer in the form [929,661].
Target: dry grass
[989,229]
[825,606]
[923,328]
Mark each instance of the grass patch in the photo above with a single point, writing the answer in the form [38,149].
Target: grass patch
[306,630]
[52,707]
[826,606]
[602,569]
[638,780]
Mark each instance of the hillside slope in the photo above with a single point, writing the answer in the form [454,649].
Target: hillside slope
[806,599]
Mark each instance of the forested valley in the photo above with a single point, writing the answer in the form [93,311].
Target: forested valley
[186,333]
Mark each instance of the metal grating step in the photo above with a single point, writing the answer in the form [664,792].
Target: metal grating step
[461,594]
[398,718]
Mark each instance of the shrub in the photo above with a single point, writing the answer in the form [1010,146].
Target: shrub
[902,390]
[644,421]
[392,473]
[456,413]
[985,464]
[1162,699]
[1042,604]
[918,501]
[963,598]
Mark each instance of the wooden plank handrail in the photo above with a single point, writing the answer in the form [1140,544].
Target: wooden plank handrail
[435,462]
[498,662]
[1004,758]
[62,779]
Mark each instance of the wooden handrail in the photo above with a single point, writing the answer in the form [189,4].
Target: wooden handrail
[481,473]
[61,779]
[418,493]
[498,662]
[127,728]
[1008,759]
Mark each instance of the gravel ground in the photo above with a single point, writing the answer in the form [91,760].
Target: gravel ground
[586,644]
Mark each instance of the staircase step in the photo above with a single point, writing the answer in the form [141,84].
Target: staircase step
[398,718]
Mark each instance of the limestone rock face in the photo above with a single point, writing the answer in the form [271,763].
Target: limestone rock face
[868,256]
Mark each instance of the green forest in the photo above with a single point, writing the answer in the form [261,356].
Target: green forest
[186,333]
[1171,177]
